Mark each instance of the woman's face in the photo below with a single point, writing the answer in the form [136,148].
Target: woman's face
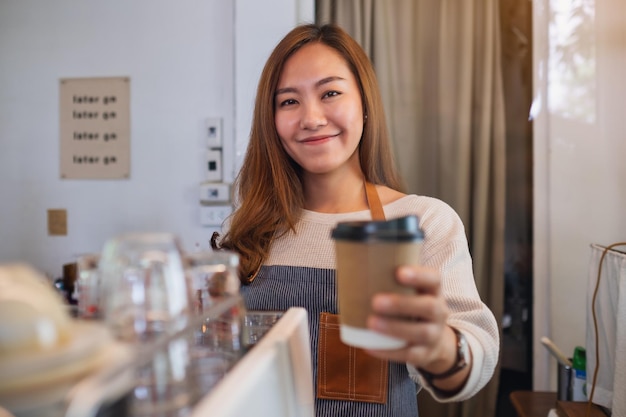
[319,111]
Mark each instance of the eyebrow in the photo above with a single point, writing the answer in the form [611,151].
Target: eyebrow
[317,84]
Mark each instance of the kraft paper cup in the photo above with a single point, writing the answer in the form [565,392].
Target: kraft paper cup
[368,254]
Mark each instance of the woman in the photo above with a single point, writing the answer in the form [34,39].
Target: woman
[318,153]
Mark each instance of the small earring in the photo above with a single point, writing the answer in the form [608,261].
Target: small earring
[365,117]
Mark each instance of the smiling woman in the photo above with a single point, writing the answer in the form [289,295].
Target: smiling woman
[319,154]
[270,184]
[319,115]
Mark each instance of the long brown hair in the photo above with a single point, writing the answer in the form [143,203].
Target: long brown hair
[269,190]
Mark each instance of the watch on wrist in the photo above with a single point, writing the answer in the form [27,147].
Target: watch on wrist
[461,361]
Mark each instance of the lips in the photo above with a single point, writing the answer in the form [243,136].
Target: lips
[318,138]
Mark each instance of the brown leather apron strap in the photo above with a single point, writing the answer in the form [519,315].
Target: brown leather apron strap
[345,372]
[373,201]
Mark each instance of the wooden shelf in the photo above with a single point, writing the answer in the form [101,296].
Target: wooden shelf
[539,404]
[577,409]
[533,403]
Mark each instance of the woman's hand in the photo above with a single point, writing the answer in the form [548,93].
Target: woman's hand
[420,319]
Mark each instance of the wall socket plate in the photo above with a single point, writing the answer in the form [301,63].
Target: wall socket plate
[214,192]
[213,131]
[214,215]
[213,165]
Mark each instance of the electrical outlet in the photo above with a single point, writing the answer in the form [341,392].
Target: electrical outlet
[214,192]
[214,215]
[214,132]
[213,165]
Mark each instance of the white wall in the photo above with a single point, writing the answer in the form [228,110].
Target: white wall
[187,60]
[254,40]
[580,169]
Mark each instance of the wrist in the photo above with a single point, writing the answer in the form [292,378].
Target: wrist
[444,369]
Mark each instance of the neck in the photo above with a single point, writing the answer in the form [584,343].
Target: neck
[335,194]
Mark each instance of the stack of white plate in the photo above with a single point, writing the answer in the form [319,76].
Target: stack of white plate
[44,352]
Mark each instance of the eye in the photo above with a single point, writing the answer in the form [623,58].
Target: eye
[288,102]
[331,93]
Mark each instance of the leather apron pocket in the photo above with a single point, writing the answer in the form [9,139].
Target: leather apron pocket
[345,372]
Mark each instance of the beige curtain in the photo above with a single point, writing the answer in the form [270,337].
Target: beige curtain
[438,65]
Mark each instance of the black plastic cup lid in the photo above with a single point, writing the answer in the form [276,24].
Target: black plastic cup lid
[403,229]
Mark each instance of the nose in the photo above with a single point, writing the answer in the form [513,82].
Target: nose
[312,116]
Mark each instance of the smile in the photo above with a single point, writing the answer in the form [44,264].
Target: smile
[318,139]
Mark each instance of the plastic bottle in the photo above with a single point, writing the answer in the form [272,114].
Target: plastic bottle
[579,383]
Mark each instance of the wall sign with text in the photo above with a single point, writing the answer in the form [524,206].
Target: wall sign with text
[95,128]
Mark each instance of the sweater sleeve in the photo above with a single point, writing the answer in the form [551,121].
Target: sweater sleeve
[446,249]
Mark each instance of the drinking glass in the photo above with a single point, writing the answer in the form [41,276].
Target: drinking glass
[146,298]
[212,275]
[257,324]
[144,288]
[218,340]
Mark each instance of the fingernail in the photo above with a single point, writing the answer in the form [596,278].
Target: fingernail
[380,302]
[406,272]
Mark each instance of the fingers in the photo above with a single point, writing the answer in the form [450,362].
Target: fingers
[426,303]
[423,339]
[419,318]
[425,280]
[411,307]
[412,354]
[414,332]
[429,349]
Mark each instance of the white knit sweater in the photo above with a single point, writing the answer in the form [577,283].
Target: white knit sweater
[445,248]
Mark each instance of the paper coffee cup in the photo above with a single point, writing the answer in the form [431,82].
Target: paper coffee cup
[368,254]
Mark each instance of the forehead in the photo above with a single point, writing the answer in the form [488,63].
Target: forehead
[314,60]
